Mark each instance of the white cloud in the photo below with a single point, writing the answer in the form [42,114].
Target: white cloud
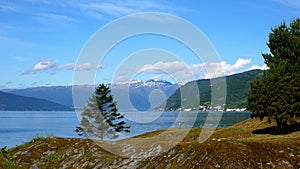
[59,17]
[98,9]
[157,77]
[263,67]
[163,67]
[239,64]
[54,18]
[8,7]
[109,8]
[78,66]
[68,66]
[43,65]
[157,18]
[125,7]
[186,72]
[87,66]
[218,69]
[49,65]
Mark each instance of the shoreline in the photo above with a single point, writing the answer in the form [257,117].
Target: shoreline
[235,146]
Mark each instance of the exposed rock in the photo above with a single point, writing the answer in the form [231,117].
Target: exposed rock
[25,153]
[49,152]
[181,156]
[271,164]
[291,155]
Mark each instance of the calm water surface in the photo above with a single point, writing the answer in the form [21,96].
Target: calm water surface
[17,127]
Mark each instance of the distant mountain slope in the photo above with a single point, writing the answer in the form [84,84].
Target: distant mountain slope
[138,94]
[14,102]
[238,86]
[57,94]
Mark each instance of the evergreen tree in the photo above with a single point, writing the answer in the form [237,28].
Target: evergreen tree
[276,94]
[100,118]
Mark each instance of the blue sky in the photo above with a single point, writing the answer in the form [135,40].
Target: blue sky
[40,40]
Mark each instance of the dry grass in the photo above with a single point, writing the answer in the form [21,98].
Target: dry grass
[234,147]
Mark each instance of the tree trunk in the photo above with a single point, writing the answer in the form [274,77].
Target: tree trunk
[102,135]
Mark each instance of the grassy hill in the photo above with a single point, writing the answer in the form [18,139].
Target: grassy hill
[238,86]
[244,145]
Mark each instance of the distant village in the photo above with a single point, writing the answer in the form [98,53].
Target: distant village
[206,108]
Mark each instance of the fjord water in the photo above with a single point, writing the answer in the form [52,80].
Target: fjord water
[17,127]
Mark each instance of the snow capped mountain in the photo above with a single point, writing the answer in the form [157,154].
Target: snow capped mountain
[142,95]
[148,83]
[153,82]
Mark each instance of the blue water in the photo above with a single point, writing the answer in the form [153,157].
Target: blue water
[17,127]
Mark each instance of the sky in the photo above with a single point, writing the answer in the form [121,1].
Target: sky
[41,41]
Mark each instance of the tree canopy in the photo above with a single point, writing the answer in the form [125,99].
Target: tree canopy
[276,94]
[100,118]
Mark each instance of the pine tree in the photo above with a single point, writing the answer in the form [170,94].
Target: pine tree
[100,118]
[276,94]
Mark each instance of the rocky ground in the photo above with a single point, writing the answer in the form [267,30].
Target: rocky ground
[249,144]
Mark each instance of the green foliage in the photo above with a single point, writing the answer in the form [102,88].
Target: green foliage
[10,165]
[276,94]
[238,86]
[6,160]
[79,130]
[100,118]
[284,43]
[4,152]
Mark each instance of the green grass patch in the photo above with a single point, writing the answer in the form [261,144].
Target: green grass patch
[58,156]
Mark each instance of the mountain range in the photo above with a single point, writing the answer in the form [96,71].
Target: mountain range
[136,95]
[142,96]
